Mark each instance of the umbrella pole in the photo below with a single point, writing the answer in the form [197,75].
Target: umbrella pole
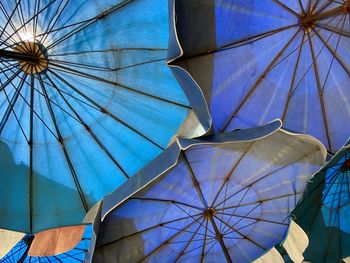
[341,10]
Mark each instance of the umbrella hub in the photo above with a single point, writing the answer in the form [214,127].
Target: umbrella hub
[210,212]
[309,20]
[32,57]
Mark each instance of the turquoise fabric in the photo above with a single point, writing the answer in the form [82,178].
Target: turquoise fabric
[105,106]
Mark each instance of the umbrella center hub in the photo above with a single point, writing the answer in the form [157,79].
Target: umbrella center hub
[32,57]
[210,212]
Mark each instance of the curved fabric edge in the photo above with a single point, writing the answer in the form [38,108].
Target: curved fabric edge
[270,256]
[195,96]
[174,47]
[188,84]
[170,156]
[8,239]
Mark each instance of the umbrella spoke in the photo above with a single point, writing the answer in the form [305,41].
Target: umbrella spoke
[205,239]
[244,236]
[53,20]
[228,176]
[104,110]
[289,96]
[199,215]
[89,130]
[257,83]
[194,180]
[96,78]
[266,175]
[183,251]
[64,149]
[11,107]
[254,218]
[319,88]
[9,18]
[30,19]
[261,201]
[166,201]
[334,30]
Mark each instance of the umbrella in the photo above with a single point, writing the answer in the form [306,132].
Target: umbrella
[86,101]
[324,211]
[19,253]
[223,197]
[256,61]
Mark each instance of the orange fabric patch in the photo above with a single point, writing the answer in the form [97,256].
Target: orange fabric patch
[56,241]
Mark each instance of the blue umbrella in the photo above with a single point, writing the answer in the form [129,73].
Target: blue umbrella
[86,100]
[19,253]
[215,199]
[324,211]
[256,61]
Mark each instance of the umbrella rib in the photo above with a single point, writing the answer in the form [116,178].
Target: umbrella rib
[190,215]
[166,201]
[270,173]
[89,130]
[229,174]
[187,231]
[53,102]
[166,242]
[239,203]
[19,28]
[255,218]
[319,88]
[262,201]
[28,104]
[50,25]
[333,30]
[89,22]
[244,236]
[105,111]
[108,50]
[301,6]
[307,196]
[257,83]
[188,244]
[98,68]
[8,18]
[64,149]
[96,78]
[241,218]
[151,228]
[194,180]
[11,105]
[9,80]
[286,8]
[293,81]
[331,229]
[319,53]
[334,53]
[205,239]
[220,239]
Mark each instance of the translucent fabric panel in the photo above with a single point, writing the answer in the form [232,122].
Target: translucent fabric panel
[225,198]
[323,213]
[87,100]
[270,59]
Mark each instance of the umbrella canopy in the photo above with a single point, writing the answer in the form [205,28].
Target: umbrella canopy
[19,253]
[324,211]
[255,61]
[86,101]
[223,197]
